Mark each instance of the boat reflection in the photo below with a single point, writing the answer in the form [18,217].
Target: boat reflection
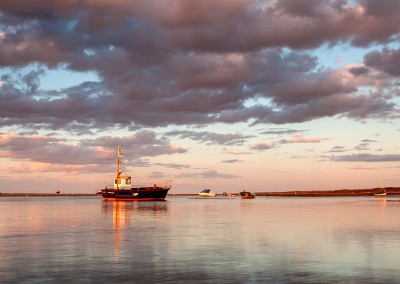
[121,216]
[121,210]
[382,206]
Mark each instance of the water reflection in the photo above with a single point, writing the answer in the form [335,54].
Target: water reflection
[183,240]
[121,212]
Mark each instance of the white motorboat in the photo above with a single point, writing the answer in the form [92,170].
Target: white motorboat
[207,193]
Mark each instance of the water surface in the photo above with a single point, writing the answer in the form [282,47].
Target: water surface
[200,240]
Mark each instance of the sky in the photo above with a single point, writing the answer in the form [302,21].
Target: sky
[264,95]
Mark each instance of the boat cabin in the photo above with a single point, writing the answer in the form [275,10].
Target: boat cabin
[123,182]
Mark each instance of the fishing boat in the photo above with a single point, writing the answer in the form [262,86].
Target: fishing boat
[247,195]
[207,193]
[380,193]
[123,189]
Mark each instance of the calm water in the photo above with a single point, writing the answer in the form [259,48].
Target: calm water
[192,240]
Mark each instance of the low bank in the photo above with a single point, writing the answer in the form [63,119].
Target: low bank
[4,194]
[333,193]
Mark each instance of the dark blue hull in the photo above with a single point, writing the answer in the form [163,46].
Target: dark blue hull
[154,193]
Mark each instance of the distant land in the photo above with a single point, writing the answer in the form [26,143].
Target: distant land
[296,193]
[11,194]
[322,193]
[333,193]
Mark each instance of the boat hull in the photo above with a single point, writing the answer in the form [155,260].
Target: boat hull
[247,195]
[207,194]
[135,194]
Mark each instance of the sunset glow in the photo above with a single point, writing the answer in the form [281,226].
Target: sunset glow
[269,96]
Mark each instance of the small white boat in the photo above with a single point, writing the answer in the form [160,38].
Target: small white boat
[207,193]
[380,193]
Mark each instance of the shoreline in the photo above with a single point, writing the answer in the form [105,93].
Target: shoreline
[8,194]
[296,193]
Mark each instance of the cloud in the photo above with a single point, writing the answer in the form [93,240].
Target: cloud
[367,158]
[337,149]
[357,71]
[281,131]
[362,147]
[189,63]
[299,139]
[207,174]
[101,151]
[236,152]
[210,137]
[158,175]
[25,168]
[172,166]
[296,139]
[232,161]
[387,61]
[298,157]
[207,59]
[363,168]
[262,146]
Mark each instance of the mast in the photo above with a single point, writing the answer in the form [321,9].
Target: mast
[121,181]
[383,189]
[119,161]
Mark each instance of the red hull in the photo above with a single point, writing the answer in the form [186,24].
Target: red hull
[247,195]
[132,199]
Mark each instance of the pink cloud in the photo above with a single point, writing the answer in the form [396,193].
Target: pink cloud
[296,139]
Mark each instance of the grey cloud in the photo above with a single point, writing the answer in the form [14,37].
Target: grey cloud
[358,71]
[282,131]
[309,87]
[367,158]
[347,105]
[387,60]
[232,161]
[207,174]
[173,166]
[296,139]
[194,62]
[215,174]
[100,151]
[337,149]
[158,175]
[210,137]
[262,146]
[362,147]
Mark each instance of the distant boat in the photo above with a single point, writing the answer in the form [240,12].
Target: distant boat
[123,189]
[58,188]
[247,195]
[207,193]
[381,193]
